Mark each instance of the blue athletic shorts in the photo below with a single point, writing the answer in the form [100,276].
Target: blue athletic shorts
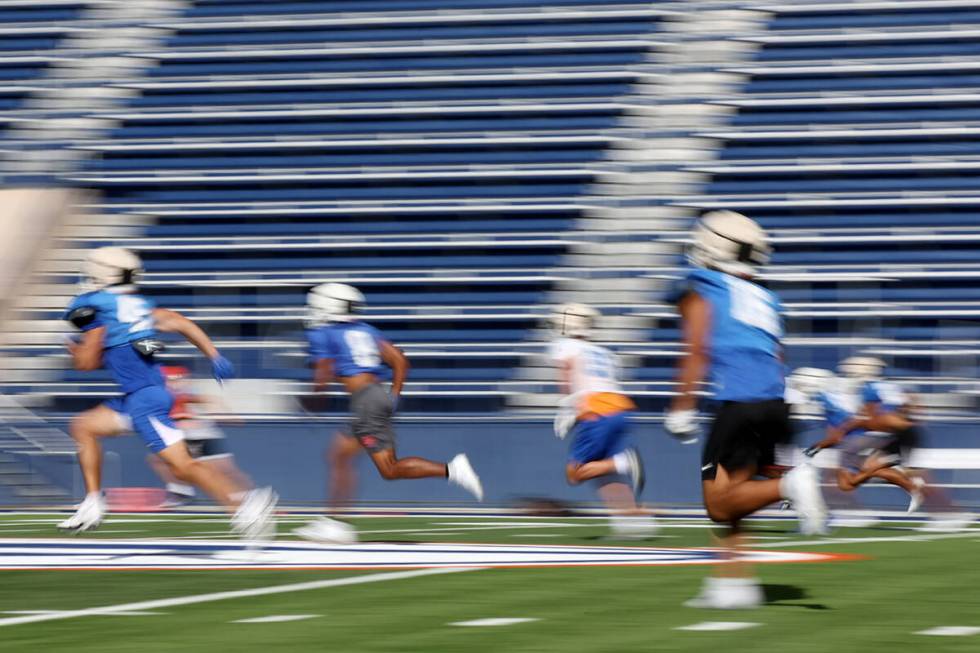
[148,411]
[600,438]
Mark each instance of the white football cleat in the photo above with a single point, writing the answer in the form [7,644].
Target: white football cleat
[89,515]
[728,594]
[327,531]
[948,523]
[254,518]
[461,473]
[633,527]
[916,496]
[636,472]
[801,485]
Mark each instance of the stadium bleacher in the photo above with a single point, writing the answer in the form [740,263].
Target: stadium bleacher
[442,156]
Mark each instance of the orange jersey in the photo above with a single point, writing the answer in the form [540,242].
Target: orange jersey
[181,408]
[605,403]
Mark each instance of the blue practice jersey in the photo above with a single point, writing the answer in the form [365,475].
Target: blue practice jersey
[127,318]
[838,409]
[354,348]
[889,396]
[743,338]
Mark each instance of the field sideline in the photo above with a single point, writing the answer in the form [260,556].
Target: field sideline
[887,585]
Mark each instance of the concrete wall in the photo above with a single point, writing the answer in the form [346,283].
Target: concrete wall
[516,460]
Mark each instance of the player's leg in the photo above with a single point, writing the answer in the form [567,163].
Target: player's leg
[393,468]
[86,428]
[340,455]
[600,447]
[732,494]
[343,477]
[372,426]
[149,410]
[199,474]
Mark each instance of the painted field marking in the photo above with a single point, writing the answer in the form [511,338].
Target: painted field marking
[500,524]
[236,594]
[861,540]
[950,631]
[274,618]
[498,621]
[120,613]
[720,625]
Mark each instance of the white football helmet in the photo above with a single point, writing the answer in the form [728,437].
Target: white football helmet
[861,368]
[811,381]
[111,267]
[574,320]
[729,242]
[334,302]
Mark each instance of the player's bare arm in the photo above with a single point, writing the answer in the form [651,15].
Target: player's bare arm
[695,316]
[87,353]
[323,374]
[879,420]
[398,362]
[169,321]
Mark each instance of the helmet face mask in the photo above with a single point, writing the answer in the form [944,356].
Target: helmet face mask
[861,368]
[330,303]
[111,267]
[729,242]
[574,320]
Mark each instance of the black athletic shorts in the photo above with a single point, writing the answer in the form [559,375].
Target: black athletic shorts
[207,448]
[744,435]
[903,442]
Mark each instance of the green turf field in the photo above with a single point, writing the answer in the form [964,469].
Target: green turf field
[904,582]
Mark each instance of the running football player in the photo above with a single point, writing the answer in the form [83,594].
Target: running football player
[119,329]
[205,441]
[597,414]
[345,349]
[732,330]
[890,409]
[864,454]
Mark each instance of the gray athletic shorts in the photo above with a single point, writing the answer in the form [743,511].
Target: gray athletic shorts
[855,449]
[372,410]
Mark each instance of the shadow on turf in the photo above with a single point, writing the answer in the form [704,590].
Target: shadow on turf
[776,594]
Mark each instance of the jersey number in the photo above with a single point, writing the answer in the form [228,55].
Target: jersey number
[598,364]
[751,305]
[135,312]
[363,348]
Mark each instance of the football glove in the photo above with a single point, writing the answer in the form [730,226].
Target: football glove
[221,368]
[683,425]
[566,416]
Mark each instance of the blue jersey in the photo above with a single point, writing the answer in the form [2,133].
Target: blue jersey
[354,348]
[889,396]
[743,338]
[127,318]
[838,410]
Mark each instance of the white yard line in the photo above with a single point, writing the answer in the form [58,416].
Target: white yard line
[950,631]
[499,621]
[236,594]
[720,625]
[861,540]
[121,613]
[275,618]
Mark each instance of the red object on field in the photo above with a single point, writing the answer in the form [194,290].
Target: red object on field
[135,499]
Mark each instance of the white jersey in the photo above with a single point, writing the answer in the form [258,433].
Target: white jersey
[593,368]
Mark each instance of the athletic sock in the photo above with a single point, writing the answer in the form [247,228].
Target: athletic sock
[621,461]
[183,489]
